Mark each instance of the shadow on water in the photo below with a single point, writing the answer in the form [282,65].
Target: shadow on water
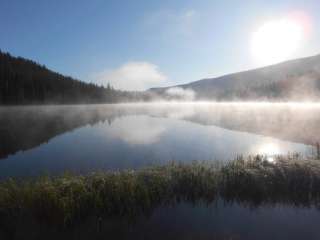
[23,128]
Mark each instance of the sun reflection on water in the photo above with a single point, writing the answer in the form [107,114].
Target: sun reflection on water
[269,149]
[270,159]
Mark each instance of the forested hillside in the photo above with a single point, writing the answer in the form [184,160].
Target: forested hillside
[23,81]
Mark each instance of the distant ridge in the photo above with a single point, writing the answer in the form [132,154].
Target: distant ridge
[297,79]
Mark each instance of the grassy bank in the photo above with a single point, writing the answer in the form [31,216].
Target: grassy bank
[67,200]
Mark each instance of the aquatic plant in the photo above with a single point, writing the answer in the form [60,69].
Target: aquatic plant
[66,200]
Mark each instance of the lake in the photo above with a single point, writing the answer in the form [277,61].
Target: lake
[186,221]
[38,140]
[219,221]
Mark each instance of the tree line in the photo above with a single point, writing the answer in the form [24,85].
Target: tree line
[24,81]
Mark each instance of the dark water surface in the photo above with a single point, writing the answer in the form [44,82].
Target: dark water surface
[186,221]
[224,222]
[54,139]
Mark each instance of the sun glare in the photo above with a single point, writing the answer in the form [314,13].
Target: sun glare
[276,41]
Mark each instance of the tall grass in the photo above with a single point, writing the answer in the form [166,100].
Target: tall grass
[67,200]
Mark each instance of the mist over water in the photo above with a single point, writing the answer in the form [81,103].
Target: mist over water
[84,138]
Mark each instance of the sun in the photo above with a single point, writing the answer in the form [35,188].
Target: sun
[276,41]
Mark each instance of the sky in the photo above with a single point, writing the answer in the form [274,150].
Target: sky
[135,45]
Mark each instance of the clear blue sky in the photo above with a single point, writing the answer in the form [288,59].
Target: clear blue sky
[169,42]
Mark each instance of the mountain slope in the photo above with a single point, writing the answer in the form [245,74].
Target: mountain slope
[292,80]
[23,81]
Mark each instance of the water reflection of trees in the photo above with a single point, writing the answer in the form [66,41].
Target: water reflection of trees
[23,128]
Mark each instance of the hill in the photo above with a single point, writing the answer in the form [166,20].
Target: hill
[23,81]
[292,80]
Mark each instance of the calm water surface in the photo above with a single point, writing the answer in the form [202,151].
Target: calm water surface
[81,139]
[223,222]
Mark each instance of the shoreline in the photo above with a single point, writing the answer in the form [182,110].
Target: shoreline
[252,181]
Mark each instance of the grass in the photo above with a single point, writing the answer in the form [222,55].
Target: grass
[67,200]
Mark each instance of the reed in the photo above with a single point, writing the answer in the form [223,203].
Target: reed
[67,200]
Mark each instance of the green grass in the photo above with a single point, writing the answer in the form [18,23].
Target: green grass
[67,200]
